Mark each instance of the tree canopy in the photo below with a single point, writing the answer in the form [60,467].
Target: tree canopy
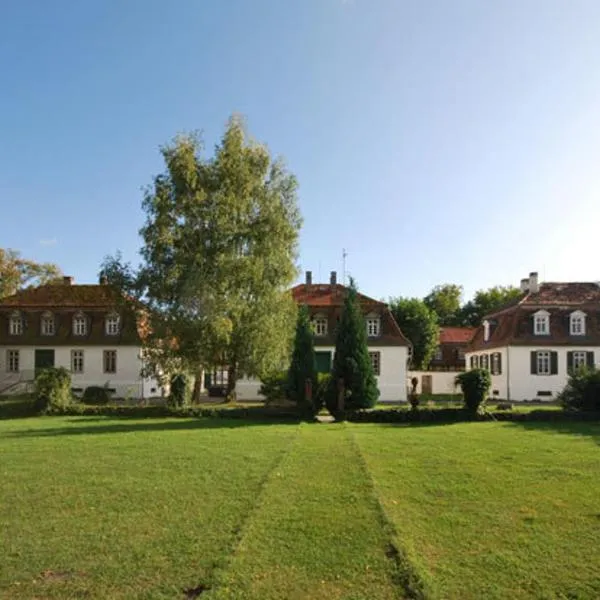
[419,324]
[220,245]
[17,273]
[445,300]
[485,302]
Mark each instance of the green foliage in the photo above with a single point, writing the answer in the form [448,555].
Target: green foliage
[582,392]
[96,395]
[274,386]
[486,302]
[351,363]
[420,325]
[220,245]
[303,366]
[181,390]
[444,301]
[475,385]
[17,273]
[52,389]
[119,274]
[321,391]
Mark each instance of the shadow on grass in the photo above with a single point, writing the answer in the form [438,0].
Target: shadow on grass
[94,426]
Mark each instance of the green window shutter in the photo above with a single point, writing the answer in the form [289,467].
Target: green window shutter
[590,360]
[569,362]
[553,363]
[533,362]
[499,363]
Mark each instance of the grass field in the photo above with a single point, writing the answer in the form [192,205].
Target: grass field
[216,509]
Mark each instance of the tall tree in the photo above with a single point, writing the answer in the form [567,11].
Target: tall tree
[444,300]
[17,273]
[352,363]
[485,302]
[115,271]
[303,366]
[420,325]
[220,245]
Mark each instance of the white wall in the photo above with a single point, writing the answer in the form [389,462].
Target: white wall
[442,382]
[127,381]
[391,382]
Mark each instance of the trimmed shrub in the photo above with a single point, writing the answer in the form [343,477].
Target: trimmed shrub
[303,366]
[274,387]
[582,392]
[96,395]
[475,385]
[52,389]
[181,390]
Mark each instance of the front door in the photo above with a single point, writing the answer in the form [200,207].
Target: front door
[426,384]
[323,361]
[44,359]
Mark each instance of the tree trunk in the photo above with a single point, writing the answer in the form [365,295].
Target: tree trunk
[198,386]
[231,382]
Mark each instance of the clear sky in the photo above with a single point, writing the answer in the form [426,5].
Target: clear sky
[437,141]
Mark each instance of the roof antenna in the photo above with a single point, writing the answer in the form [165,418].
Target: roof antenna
[344,254]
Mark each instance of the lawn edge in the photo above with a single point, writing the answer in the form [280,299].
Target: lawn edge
[415,584]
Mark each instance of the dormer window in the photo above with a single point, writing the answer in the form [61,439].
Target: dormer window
[113,324]
[577,323]
[47,324]
[373,326]
[320,326]
[79,324]
[15,324]
[541,323]
[486,331]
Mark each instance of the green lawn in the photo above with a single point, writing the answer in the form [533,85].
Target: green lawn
[109,508]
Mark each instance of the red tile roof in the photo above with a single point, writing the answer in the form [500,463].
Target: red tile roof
[61,295]
[325,294]
[456,335]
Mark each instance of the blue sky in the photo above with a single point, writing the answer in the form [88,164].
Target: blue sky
[436,141]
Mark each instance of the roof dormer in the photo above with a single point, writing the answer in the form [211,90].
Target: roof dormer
[541,322]
[577,323]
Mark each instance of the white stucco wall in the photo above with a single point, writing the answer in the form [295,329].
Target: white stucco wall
[391,382]
[127,381]
[516,383]
[442,382]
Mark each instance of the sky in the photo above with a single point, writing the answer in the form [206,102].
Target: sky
[435,141]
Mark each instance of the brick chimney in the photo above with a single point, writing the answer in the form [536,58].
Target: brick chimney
[67,280]
[525,284]
[533,282]
[308,278]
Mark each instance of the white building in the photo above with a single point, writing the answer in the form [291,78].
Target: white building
[531,345]
[388,348]
[87,329]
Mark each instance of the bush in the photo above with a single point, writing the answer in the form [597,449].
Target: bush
[52,389]
[181,391]
[274,386]
[582,391]
[95,395]
[475,385]
[320,391]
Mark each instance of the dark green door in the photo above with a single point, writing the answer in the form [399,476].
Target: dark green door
[44,359]
[323,360]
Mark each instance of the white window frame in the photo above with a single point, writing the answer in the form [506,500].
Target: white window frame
[13,361]
[375,358]
[80,325]
[105,361]
[47,324]
[579,359]
[438,354]
[495,363]
[16,324]
[373,326]
[541,323]
[112,324]
[319,325]
[543,364]
[577,323]
[77,361]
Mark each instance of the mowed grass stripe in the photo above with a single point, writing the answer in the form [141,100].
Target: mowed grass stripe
[102,508]
[493,510]
[316,533]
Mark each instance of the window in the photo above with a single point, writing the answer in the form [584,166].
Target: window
[47,324]
[16,324]
[484,361]
[579,360]
[77,361]
[113,323]
[496,366]
[12,361]
[376,362]
[577,323]
[373,326]
[79,325]
[438,354]
[320,326]
[460,354]
[110,361]
[474,362]
[543,363]
[541,323]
